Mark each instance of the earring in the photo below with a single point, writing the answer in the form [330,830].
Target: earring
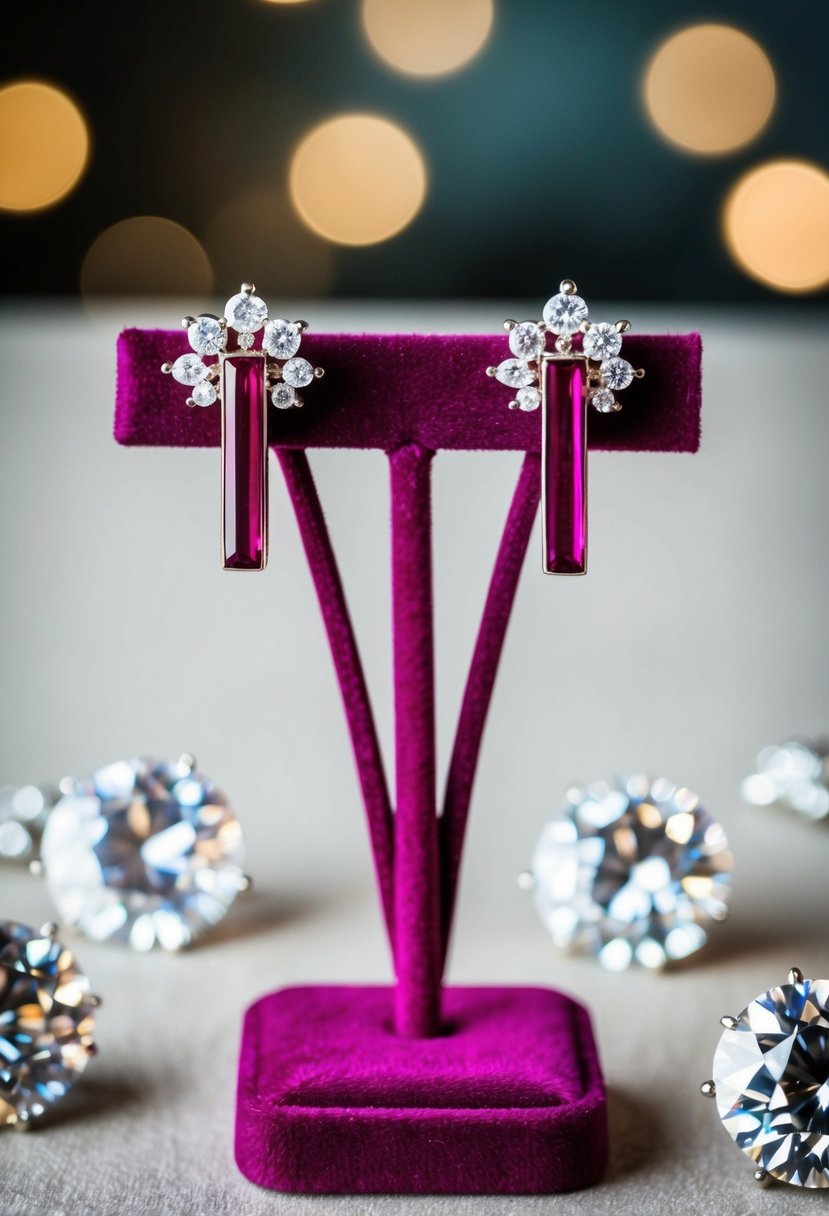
[143,852]
[794,775]
[631,872]
[563,382]
[243,378]
[47,1022]
[769,1080]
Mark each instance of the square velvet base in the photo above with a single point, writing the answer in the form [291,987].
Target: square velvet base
[509,1100]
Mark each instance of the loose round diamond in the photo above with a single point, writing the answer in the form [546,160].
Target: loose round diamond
[246,314]
[47,1022]
[632,872]
[772,1082]
[602,400]
[297,373]
[514,373]
[602,341]
[565,314]
[143,852]
[207,336]
[204,393]
[526,340]
[528,399]
[617,373]
[189,369]
[283,396]
[794,775]
[281,339]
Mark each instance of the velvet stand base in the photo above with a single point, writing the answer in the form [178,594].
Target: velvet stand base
[509,1100]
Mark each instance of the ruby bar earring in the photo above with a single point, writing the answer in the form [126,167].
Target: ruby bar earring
[563,382]
[242,377]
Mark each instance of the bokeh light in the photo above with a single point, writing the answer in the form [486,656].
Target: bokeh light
[709,89]
[44,145]
[146,255]
[776,225]
[427,37]
[258,235]
[357,179]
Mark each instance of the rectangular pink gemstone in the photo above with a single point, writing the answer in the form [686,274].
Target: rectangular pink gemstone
[244,462]
[564,465]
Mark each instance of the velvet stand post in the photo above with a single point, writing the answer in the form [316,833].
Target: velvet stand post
[418,1088]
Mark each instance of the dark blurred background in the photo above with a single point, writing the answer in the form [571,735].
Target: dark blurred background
[559,142]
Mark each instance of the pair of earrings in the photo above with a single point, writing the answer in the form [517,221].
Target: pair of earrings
[226,365]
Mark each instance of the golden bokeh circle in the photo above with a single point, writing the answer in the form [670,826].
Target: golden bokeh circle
[146,255]
[427,37]
[709,89]
[776,225]
[44,145]
[357,179]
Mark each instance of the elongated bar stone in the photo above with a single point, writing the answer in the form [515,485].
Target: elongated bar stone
[564,465]
[244,463]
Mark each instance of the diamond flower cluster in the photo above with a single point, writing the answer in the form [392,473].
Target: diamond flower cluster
[565,314]
[245,313]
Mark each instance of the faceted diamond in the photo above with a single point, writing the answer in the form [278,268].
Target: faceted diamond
[283,396]
[565,314]
[602,400]
[526,340]
[189,369]
[246,314]
[245,341]
[528,399]
[207,336]
[793,775]
[204,393]
[143,852]
[602,341]
[772,1082]
[281,339]
[617,373]
[47,1022]
[515,373]
[298,373]
[632,872]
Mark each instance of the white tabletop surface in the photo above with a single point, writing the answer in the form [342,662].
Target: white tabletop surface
[698,637]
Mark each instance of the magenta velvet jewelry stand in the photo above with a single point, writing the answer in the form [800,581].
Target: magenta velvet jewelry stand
[416,1089]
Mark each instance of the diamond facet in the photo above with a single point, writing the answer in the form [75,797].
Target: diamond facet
[632,872]
[47,1022]
[283,396]
[207,336]
[143,852]
[617,373]
[189,369]
[528,399]
[602,400]
[526,340]
[771,1074]
[281,339]
[297,373]
[204,393]
[515,373]
[246,314]
[565,314]
[602,341]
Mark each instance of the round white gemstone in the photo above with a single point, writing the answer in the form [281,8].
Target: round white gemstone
[617,373]
[772,1082]
[602,341]
[298,373]
[283,396]
[515,373]
[602,400]
[281,339]
[245,341]
[528,399]
[633,872]
[144,853]
[204,393]
[526,340]
[189,369]
[246,314]
[47,1022]
[565,314]
[207,336]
